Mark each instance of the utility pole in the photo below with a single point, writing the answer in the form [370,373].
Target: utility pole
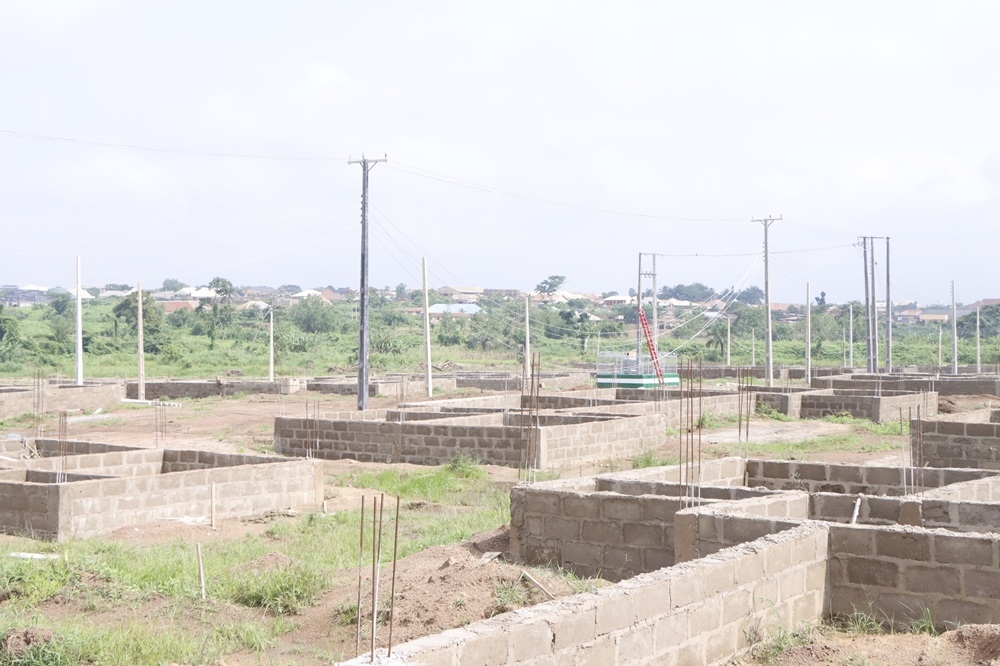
[140,324]
[875,368]
[427,334]
[656,326]
[366,166]
[527,336]
[753,347]
[940,344]
[954,332]
[888,314]
[979,359]
[638,333]
[729,341]
[843,346]
[808,337]
[769,371]
[850,328]
[638,320]
[270,344]
[79,325]
[868,312]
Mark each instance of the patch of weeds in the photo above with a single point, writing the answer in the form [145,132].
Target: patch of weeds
[924,624]
[711,420]
[885,429]
[577,584]
[765,411]
[282,591]
[466,467]
[860,623]
[247,635]
[507,595]
[768,651]
[32,581]
[347,615]
[459,603]
[650,459]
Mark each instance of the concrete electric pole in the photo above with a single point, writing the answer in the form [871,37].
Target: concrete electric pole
[769,370]
[366,166]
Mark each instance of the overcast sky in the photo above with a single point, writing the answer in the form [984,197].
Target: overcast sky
[524,139]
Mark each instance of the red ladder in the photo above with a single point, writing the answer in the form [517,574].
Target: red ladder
[652,347]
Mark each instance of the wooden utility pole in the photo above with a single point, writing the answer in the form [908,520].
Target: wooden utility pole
[140,325]
[769,371]
[366,166]
[427,335]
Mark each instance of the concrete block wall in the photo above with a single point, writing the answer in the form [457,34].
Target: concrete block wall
[708,528]
[133,462]
[30,509]
[954,443]
[423,443]
[704,612]
[787,403]
[942,385]
[861,405]
[818,477]
[897,572]
[586,446]
[89,508]
[211,388]
[17,400]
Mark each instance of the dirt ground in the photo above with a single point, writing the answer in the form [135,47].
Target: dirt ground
[969,644]
[441,587]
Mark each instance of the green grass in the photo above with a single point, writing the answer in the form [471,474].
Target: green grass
[765,411]
[783,640]
[711,421]
[885,429]
[650,459]
[846,443]
[462,481]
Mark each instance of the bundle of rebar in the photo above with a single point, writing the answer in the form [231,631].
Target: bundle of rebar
[378,508]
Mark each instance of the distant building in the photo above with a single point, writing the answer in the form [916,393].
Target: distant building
[462,293]
[453,309]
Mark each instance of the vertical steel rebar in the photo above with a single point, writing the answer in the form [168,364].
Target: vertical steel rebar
[392,589]
[361,557]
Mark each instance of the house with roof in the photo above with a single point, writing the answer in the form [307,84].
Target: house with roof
[462,293]
[441,310]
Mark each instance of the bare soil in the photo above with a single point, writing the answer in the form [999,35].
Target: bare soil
[973,644]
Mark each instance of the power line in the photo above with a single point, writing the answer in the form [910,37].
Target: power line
[159,149]
[431,175]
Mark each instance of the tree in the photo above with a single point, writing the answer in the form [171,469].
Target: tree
[62,304]
[400,292]
[550,285]
[288,289]
[608,294]
[118,287]
[172,284]
[224,288]
[314,315]
[821,299]
[751,296]
[695,292]
[154,333]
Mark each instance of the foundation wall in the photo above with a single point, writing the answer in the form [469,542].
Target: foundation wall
[31,509]
[943,385]
[135,462]
[704,612]
[212,388]
[957,443]
[421,443]
[897,572]
[586,446]
[860,405]
[593,533]
[15,401]
[847,479]
[89,508]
